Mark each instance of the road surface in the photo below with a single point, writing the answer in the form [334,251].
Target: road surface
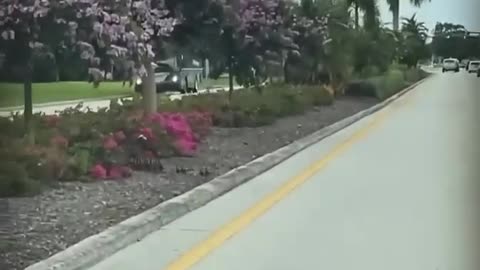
[395,191]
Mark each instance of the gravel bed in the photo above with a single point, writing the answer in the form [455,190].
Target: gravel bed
[41,226]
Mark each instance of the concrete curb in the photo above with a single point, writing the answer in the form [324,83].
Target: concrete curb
[95,248]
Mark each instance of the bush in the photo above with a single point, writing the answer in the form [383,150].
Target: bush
[414,75]
[391,83]
[14,180]
[384,86]
[249,108]
[369,72]
[366,88]
[401,67]
[78,145]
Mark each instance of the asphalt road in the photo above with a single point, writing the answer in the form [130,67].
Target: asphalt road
[396,191]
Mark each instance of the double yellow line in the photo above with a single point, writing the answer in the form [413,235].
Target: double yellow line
[215,240]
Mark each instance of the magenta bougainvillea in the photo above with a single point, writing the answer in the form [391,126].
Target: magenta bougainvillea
[132,135]
[179,126]
[183,130]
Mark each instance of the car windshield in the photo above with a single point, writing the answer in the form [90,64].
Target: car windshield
[475,64]
[449,62]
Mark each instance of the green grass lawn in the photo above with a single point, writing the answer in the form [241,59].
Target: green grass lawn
[210,83]
[11,94]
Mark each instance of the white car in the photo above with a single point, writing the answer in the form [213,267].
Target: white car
[473,66]
[451,64]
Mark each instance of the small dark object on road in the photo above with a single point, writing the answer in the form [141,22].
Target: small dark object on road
[181,170]
[204,171]
[147,164]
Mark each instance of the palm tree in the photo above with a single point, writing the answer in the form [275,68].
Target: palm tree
[414,35]
[368,7]
[395,9]
[411,26]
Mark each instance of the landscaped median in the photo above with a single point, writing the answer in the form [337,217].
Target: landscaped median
[88,171]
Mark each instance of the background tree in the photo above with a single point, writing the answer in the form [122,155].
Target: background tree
[252,32]
[395,9]
[368,7]
[23,27]
[414,36]
[310,22]
[338,48]
[454,40]
[131,29]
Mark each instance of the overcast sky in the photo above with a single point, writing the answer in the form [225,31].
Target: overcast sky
[465,12]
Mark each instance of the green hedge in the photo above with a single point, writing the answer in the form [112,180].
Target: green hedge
[251,108]
[395,79]
[391,83]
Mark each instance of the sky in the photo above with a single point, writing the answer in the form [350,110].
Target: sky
[465,12]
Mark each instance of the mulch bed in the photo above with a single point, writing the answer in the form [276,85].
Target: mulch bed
[43,225]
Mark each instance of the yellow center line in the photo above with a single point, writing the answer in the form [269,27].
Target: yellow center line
[216,239]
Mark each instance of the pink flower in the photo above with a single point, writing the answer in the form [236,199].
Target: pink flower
[149,154]
[157,118]
[119,136]
[179,127]
[98,172]
[200,123]
[109,143]
[59,140]
[118,172]
[147,132]
[185,146]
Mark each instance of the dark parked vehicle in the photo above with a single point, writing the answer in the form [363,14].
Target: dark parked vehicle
[473,66]
[169,79]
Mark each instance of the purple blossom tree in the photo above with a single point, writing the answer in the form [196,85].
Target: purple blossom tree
[248,33]
[131,29]
[312,36]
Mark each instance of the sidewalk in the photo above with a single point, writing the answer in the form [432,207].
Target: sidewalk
[93,104]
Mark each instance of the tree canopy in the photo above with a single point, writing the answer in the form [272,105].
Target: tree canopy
[454,40]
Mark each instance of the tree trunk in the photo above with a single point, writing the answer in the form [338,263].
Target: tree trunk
[230,79]
[229,43]
[396,19]
[149,90]
[286,71]
[27,94]
[357,15]
[282,67]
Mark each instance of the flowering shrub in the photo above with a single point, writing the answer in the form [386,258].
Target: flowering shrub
[201,122]
[59,141]
[181,127]
[104,145]
[152,137]
[100,171]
